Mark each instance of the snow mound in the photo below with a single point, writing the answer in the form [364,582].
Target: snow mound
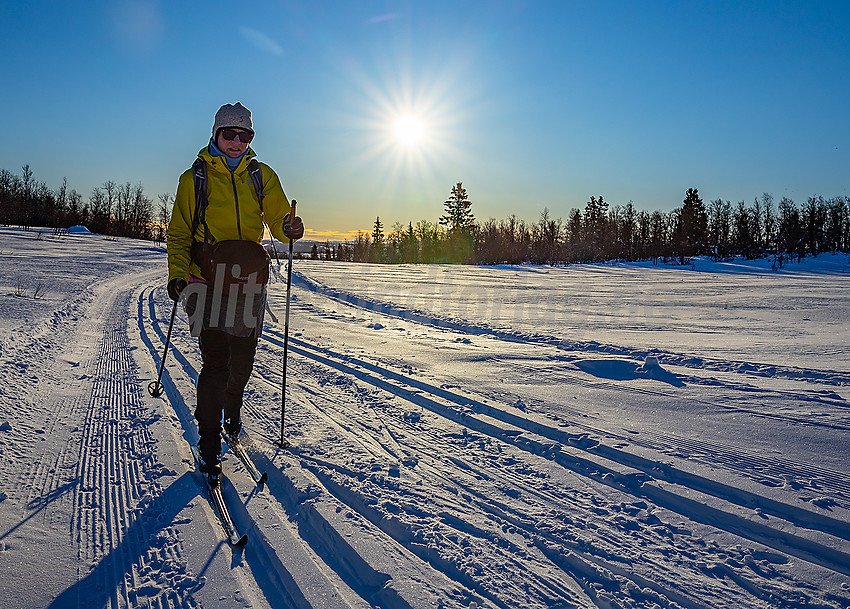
[651,363]
[79,230]
[612,369]
[627,370]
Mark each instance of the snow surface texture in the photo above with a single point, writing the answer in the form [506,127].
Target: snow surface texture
[510,437]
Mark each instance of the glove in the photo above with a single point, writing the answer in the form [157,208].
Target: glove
[175,286]
[293,229]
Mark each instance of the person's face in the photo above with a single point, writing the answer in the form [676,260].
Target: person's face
[233,147]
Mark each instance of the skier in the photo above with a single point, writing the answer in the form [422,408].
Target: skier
[216,263]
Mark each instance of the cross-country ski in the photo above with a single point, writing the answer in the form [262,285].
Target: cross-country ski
[238,448]
[220,507]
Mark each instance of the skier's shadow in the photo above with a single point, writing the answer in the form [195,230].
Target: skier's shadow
[40,504]
[137,540]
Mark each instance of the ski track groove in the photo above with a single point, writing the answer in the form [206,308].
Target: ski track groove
[576,573]
[788,470]
[346,364]
[771,471]
[139,562]
[187,367]
[455,401]
[581,563]
[531,531]
[587,562]
[756,467]
[356,503]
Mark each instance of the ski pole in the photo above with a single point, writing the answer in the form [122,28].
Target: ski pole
[155,388]
[283,443]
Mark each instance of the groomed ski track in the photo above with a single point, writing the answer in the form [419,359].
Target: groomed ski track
[405,487]
[380,411]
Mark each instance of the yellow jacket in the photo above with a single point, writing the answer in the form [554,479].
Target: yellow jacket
[233,211]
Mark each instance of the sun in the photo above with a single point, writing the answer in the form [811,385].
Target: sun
[403,132]
[409,131]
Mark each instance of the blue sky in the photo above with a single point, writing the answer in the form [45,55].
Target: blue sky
[530,104]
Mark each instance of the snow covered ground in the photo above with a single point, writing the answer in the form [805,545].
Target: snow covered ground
[510,437]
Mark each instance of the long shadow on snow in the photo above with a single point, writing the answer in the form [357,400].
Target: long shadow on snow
[325,540]
[42,503]
[110,571]
[635,483]
[276,583]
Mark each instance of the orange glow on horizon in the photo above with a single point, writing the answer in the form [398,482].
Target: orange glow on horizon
[321,236]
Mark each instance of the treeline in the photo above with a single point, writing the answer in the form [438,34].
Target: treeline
[600,232]
[120,210]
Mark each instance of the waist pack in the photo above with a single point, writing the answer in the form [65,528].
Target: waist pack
[232,262]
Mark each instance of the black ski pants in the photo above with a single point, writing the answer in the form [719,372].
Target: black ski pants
[227,364]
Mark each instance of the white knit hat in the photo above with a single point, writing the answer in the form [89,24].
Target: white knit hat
[233,115]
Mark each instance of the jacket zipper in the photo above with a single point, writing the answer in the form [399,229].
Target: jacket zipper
[236,201]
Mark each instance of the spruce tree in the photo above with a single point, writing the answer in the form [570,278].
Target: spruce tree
[377,250]
[458,218]
[691,231]
[378,232]
[460,223]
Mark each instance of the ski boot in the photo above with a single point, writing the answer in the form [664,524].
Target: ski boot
[211,466]
[232,427]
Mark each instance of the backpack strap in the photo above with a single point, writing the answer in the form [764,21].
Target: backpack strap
[256,173]
[199,173]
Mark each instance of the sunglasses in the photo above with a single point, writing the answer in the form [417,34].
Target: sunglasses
[244,136]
